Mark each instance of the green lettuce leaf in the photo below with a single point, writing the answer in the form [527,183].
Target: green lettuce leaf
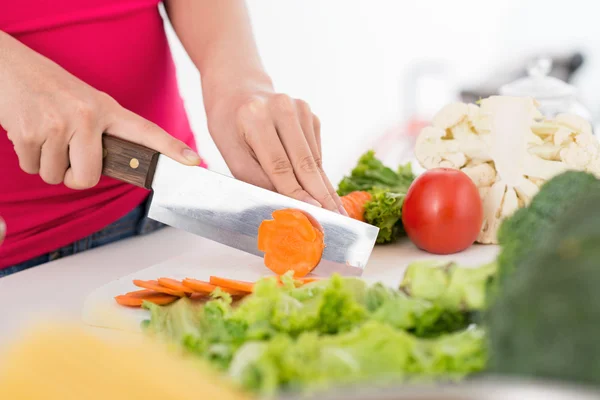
[370,174]
[374,352]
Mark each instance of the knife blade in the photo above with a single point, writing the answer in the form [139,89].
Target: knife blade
[227,210]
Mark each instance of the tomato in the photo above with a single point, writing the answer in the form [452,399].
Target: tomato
[442,212]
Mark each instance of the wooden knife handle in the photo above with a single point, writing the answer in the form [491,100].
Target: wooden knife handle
[128,162]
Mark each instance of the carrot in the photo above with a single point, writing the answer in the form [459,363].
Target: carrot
[308,279]
[291,240]
[153,285]
[135,299]
[355,202]
[207,288]
[303,280]
[241,286]
[174,284]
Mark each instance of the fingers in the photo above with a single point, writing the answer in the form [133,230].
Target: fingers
[28,152]
[262,137]
[248,169]
[2,230]
[85,154]
[54,160]
[311,126]
[302,158]
[129,126]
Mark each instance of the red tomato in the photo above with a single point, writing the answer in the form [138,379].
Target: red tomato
[442,212]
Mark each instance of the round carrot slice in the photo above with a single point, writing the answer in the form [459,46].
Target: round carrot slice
[206,287]
[136,300]
[290,241]
[174,284]
[223,283]
[153,285]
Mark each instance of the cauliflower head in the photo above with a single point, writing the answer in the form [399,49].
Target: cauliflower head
[509,149]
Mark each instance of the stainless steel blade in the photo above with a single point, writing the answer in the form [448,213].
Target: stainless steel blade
[229,211]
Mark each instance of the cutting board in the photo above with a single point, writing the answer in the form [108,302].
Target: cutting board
[386,265]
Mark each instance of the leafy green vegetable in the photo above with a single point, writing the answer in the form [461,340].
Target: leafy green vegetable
[544,322]
[451,286]
[385,212]
[265,339]
[374,353]
[528,226]
[370,174]
[418,316]
[388,188]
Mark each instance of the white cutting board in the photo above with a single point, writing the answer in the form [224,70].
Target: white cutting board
[387,265]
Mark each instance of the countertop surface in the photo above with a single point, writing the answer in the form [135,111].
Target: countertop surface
[57,290]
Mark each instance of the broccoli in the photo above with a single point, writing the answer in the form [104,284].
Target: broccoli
[526,227]
[545,321]
[388,188]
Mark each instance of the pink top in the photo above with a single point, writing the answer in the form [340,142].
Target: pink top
[119,47]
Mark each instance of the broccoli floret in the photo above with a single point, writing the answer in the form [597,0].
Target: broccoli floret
[545,321]
[370,174]
[526,227]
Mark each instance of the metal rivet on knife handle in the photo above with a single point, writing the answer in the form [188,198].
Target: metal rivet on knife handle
[128,162]
[134,163]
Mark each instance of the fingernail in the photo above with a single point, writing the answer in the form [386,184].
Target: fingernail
[343,211]
[313,202]
[191,156]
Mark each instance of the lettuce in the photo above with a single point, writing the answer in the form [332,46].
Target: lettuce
[329,332]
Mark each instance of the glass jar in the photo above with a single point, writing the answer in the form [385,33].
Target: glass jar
[553,95]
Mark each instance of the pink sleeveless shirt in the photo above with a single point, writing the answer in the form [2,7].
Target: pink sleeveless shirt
[116,46]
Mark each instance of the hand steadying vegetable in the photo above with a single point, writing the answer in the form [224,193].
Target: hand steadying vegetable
[268,139]
[56,121]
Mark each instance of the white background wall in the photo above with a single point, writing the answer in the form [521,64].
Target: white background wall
[348,58]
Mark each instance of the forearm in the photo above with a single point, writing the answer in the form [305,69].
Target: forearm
[218,37]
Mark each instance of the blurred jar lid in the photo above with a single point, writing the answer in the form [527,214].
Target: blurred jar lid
[538,84]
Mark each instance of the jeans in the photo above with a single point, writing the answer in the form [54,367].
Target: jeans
[135,223]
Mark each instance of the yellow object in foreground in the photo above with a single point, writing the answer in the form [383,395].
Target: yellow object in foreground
[63,362]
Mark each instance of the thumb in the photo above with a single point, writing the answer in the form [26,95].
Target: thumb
[2,230]
[133,128]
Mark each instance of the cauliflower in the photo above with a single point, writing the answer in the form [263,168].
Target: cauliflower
[508,149]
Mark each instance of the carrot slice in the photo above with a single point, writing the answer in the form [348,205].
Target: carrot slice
[135,299]
[207,288]
[355,203]
[174,284]
[153,285]
[241,286]
[308,279]
[290,241]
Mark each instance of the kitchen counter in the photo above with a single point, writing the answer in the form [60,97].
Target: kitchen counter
[58,289]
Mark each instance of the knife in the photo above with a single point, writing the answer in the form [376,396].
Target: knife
[227,210]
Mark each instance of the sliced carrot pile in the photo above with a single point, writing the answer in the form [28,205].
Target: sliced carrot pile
[156,291]
[242,286]
[154,285]
[355,203]
[174,284]
[203,287]
[135,299]
[290,241]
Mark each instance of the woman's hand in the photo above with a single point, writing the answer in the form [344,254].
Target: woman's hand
[271,140]
[2,230]
[56,121]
